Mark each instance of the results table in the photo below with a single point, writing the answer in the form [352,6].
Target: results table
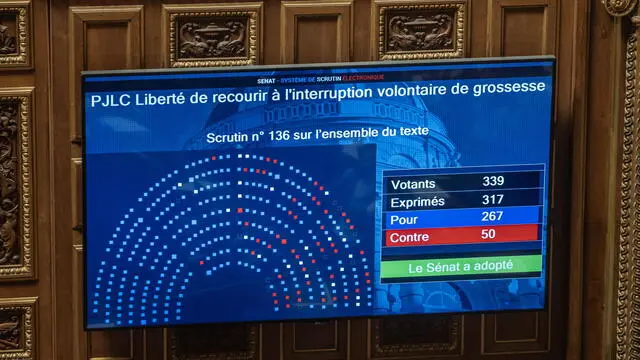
[463,223]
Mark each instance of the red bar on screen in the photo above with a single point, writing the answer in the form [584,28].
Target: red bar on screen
[462,235]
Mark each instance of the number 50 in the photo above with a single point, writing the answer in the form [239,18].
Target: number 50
[488,233]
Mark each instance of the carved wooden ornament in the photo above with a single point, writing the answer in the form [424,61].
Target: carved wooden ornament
[15,34]
[419,29]
[15,185]
[212,35]
[628,292]
[17,320]
[619,7]
[426,335]
[214,342]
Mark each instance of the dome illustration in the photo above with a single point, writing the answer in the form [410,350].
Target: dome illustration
[435,150]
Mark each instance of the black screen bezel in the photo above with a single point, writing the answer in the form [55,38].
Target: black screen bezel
[551,215]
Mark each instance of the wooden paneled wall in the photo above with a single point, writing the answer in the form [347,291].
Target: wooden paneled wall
[41,57]
[25,231]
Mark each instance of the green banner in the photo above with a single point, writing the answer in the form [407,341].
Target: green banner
[461,266]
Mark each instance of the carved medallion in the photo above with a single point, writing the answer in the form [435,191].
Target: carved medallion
[619,7]
[213,35]
[417,335]
[15,34]
[17,328]
[213,342]
[15,185]
[420,30]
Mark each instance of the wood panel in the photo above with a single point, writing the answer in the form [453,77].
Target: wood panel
[16,31]
[213,342]
[80,337]
[501,336]
[118,344]
[519,28]
[17,328]
[522,27]
[224,34]
[312,32]
[425,29]
[16,183]
[417,336]
[316,340]
[102,38]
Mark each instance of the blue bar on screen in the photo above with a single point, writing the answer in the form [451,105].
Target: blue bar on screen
[462,217]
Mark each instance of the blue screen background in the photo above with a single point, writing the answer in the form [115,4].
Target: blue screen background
[140,273]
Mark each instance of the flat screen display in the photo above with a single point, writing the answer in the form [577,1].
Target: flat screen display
[309,192]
